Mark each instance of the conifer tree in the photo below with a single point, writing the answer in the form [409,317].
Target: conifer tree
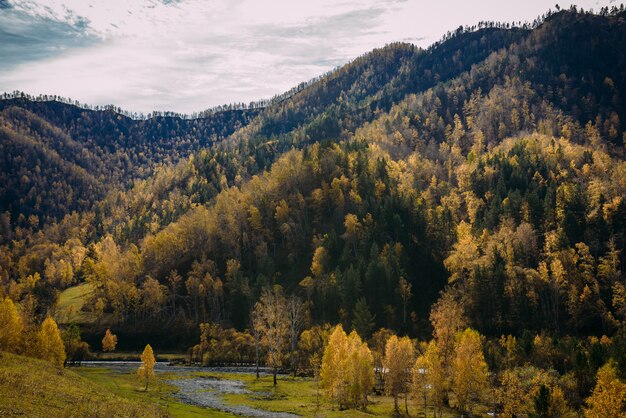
[76,350]
[363,321]
[404,291]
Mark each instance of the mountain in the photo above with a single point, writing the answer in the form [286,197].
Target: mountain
[489,166]
[346,99]
[59,158]
[127,150]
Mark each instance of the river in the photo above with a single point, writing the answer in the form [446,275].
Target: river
[202,391]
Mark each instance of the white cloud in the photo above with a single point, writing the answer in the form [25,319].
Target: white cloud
[191,54]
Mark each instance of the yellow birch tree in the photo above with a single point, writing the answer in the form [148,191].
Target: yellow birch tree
[146,370]
[272,322]
[470,370]
[448,319]
[11,326]
[334,366]
[514,393]
[399,356]
[608,398]
[49,343]
[361,370]
[429,379]
[109,341]
[421,387]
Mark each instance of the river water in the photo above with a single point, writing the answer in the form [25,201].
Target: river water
[200,391]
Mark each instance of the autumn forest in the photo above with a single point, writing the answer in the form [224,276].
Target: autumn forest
[421,232]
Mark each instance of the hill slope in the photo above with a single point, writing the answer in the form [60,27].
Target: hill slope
[478,166]
[84,153]
[445,79]
[36,388]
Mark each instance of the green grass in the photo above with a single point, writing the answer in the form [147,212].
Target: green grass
[35,388]
[159,393]
[296,395]
[300,396]
[71,302]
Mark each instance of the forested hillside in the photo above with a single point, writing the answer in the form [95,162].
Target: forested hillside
[454,105]
[58,158]
[485,173]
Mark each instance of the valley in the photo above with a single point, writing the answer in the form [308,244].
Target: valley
[422,231]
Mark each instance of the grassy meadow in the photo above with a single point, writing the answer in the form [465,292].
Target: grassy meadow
[70,305]
[301,396]
[298,395]
[35,388]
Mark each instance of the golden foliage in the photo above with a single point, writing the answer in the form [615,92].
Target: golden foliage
[11,326]
[470,370]
[608,398]
[319,262]
[429,378]
[49,343]
[272,323]
[447,318]
[331,373]
[360,370]
[514,394]
[399,355]
[146,370]
[347,373]
[109,342]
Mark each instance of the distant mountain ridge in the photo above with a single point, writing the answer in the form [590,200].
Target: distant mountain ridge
[92,150]
[336,104]
[133,148]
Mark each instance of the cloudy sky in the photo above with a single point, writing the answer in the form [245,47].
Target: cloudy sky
[188,55]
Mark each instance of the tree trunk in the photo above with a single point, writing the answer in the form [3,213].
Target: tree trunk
[256,349]
[275,372]
[403,312]
[294,365]
[406,403]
